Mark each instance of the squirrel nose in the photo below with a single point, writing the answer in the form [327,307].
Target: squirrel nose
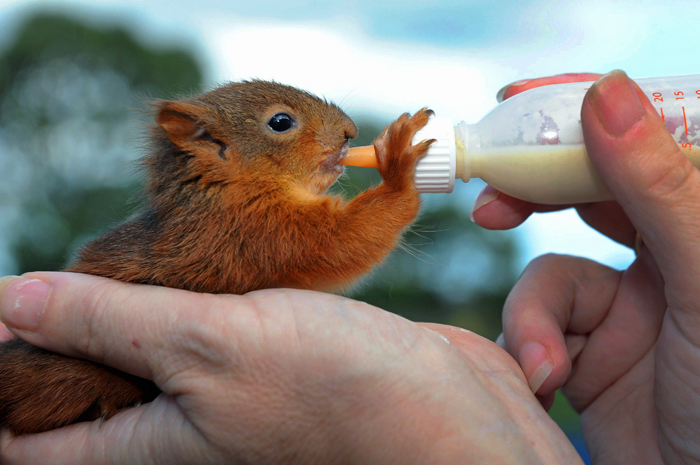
[350,129]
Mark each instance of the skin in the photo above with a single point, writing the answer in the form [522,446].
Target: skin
[276,376]
[623,345]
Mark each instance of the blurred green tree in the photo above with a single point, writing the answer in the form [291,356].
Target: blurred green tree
[66,136]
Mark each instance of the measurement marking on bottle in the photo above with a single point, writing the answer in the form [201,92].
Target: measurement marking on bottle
[663,118]
[685,120]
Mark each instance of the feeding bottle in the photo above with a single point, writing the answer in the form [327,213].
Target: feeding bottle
[531,145]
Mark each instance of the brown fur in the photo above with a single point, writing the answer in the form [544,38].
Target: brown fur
[231,207]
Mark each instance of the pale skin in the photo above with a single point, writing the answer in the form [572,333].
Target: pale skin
[624,345]
[277,376]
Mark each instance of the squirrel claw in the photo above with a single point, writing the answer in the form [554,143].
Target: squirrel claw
[396,157]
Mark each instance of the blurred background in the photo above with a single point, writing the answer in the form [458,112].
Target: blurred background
[75,79]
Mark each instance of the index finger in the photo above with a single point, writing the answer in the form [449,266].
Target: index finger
[566,310]
[496,210]
[134,328]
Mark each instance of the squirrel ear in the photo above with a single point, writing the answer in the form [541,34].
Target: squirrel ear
[180,121]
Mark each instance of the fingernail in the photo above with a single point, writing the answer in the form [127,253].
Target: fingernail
[615,100]
[22,302]
[484,197]
[502,93]
[535,362]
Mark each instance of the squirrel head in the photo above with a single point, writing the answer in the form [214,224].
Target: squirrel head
[254,127]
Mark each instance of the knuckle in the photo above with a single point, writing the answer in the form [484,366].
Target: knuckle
[670,180]
[546,261]
[97,302]
[209,344]
[561,267]
[196,341]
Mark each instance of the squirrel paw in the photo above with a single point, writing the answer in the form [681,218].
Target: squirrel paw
[396,157]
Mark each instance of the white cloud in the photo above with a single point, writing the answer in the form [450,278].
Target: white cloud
[363,75]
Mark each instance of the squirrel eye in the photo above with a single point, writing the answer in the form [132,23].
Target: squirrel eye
[280,122]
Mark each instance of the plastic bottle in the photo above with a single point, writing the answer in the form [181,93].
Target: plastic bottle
[531,145]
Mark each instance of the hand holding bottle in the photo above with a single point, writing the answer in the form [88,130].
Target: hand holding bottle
[625,346]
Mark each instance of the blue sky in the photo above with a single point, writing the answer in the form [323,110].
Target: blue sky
[450,55]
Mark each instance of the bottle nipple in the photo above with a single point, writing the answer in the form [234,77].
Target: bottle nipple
[364,157]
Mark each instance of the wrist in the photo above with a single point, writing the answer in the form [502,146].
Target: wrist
[400,421]
[445,412]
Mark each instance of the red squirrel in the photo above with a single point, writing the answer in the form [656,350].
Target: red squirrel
[235,201]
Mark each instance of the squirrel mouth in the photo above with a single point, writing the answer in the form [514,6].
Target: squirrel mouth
[344,151]
[330,169]
[332,161]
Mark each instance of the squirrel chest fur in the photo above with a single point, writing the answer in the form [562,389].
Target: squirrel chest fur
[235,201]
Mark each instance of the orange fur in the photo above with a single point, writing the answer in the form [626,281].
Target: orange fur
[231,207]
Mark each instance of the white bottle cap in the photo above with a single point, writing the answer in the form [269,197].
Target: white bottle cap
[436,171]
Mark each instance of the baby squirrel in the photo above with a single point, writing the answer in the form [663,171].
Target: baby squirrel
[235,201]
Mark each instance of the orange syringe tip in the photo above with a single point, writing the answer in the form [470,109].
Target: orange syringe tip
[360,156]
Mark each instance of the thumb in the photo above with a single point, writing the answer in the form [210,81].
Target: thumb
[649,175]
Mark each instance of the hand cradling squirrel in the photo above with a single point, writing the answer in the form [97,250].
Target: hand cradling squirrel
[235,201]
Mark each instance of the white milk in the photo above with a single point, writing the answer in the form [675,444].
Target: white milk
[551,174]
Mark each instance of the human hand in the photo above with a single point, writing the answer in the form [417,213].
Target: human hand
[625,346]
[276,376]
[5,333]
